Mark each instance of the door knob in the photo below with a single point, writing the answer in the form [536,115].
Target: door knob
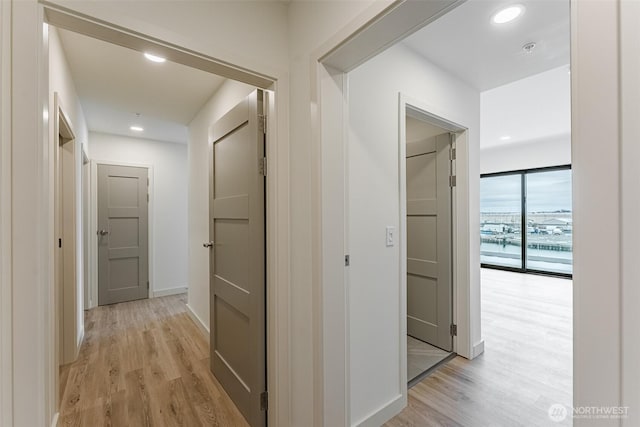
[103,232]
[208,244]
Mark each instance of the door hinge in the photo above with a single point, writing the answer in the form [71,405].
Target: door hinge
[264,401]
[262,166]
[452,154]
[347,260]
[452,181]
[147,285]
[454,330]
[59,243]
[147,197]
[262,123]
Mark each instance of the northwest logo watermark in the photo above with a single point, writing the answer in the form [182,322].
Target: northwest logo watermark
[558,412]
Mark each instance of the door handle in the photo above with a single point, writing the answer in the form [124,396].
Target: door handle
[208,245]
[103,232]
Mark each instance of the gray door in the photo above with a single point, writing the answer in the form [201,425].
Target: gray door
[237,234]
[123,248]
[429,286]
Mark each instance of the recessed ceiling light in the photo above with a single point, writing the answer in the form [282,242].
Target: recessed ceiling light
[154,58]
[137,128]
[505,138]
[508,14]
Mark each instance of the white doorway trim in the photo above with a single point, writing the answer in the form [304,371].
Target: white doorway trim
[93,227]
[462,342]
[65,177]
[373,31]
[32,261]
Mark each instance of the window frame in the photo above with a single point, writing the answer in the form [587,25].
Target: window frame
[523,213]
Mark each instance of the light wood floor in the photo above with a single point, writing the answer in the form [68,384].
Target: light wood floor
[526,366]
[144,363]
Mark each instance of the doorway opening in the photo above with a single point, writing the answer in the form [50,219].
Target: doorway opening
[429,144]
[65,243]
[429,181]
[420,65]
[136,205]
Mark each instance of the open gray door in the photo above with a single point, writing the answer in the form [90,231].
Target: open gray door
[237,234]
[123,234]
[429,285]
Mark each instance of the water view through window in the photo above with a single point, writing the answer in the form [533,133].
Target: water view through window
[545,242]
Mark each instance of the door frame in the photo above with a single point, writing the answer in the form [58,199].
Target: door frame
[93,226]
[273,81]
[66,221]
[86,222]
[459,262]
[369,34]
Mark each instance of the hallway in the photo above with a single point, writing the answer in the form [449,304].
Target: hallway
[144,363]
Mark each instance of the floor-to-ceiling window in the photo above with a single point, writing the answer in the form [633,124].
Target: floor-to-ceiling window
[501,220]
[526,220]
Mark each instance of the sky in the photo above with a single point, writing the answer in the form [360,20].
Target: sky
[546,192]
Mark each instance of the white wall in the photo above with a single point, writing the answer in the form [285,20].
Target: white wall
[311,24]
[535,113]
[262,44]
[554,151]
[598,371]
[60,81]
[168,248]
[630,42]
[225,98]
[373,163]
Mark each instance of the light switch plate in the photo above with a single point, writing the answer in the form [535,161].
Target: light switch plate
[391,235]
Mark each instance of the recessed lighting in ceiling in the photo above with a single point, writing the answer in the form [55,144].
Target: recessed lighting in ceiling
[508,14]
[505,138]
[137,128]
[154,58]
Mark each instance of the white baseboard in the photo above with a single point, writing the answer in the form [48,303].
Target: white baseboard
[198,321]
[478,349]
[54,422]
[385,413]
[170,291]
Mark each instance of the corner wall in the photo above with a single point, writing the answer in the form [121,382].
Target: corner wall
[373,203]
[225,98]
[168,249]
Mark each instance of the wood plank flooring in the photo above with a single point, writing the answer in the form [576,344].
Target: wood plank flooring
[144,363]
[526,366]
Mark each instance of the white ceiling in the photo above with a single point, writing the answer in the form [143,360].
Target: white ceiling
[114,83]
[485,55]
